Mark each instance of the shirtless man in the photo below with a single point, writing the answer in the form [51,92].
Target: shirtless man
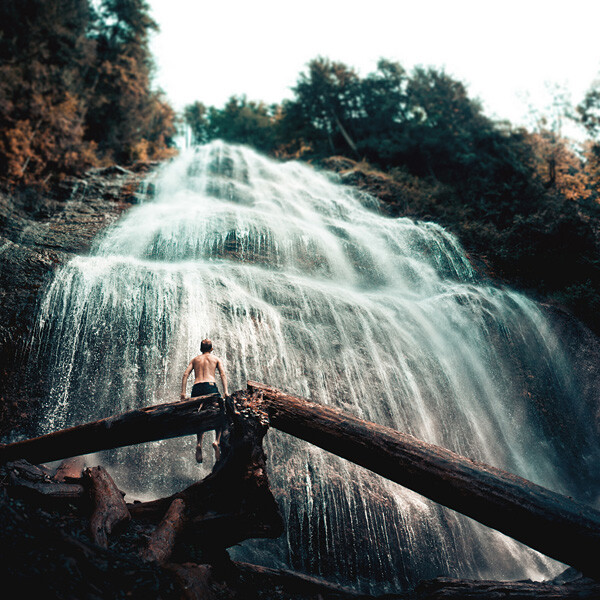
[205,365]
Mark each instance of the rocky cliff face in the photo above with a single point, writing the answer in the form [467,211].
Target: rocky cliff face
[38,232]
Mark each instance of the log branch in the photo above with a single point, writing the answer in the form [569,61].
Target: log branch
[234,502]
[110,509]
[159,422]
[162,541]
[70,470]
[28,481]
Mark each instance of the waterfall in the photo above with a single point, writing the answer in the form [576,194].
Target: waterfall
[302,284]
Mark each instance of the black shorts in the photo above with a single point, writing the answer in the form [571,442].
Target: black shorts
[204,389]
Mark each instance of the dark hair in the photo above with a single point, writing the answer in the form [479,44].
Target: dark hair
[205,346]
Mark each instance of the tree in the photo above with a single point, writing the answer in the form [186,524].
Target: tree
[327,99]
[240,121]
[195,117]
[75,88]
[589,112]
[125,117]
[43,50]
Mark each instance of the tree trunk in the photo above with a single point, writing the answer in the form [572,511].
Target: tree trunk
[347,137]
[30,482]
[555,525]
[110,509]
[234,503]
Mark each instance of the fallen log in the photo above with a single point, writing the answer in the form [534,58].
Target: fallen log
[551,523]
[161,543]
[443,588]
[30,482]
[109,510]
[159,422]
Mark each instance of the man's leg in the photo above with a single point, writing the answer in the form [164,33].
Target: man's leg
[216,444]
[199,447]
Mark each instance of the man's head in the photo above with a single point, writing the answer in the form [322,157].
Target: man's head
[205,346]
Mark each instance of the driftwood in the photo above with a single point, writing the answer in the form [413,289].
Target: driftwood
[46,559]
[162,541]
[159,422]
[553,524]
[30,482]
[464,589]
[46,556]
[110,509]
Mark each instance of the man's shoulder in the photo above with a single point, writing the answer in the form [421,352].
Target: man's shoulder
[205,358]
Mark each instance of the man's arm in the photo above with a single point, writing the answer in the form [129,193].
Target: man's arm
[223,377]
[186,374]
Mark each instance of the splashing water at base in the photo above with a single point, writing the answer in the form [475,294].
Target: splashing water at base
[302,284]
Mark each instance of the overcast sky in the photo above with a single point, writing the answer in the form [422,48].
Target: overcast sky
[506,52]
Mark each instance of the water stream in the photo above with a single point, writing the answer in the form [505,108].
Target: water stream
[301,283]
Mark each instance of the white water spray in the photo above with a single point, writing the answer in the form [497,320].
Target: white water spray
[303,285]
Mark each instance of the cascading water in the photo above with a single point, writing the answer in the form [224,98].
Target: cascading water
[302,284]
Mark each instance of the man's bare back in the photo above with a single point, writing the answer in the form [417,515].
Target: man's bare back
[205,366]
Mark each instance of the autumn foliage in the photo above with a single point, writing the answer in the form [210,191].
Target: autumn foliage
[75,88]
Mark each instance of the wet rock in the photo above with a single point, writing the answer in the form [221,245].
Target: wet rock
[39,231]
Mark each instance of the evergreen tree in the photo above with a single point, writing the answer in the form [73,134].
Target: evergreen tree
[240,121]
[195,117]
[327,101]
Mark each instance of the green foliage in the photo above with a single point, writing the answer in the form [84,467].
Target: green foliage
[240,121]
[195,117]
[124,115]
[525,203]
